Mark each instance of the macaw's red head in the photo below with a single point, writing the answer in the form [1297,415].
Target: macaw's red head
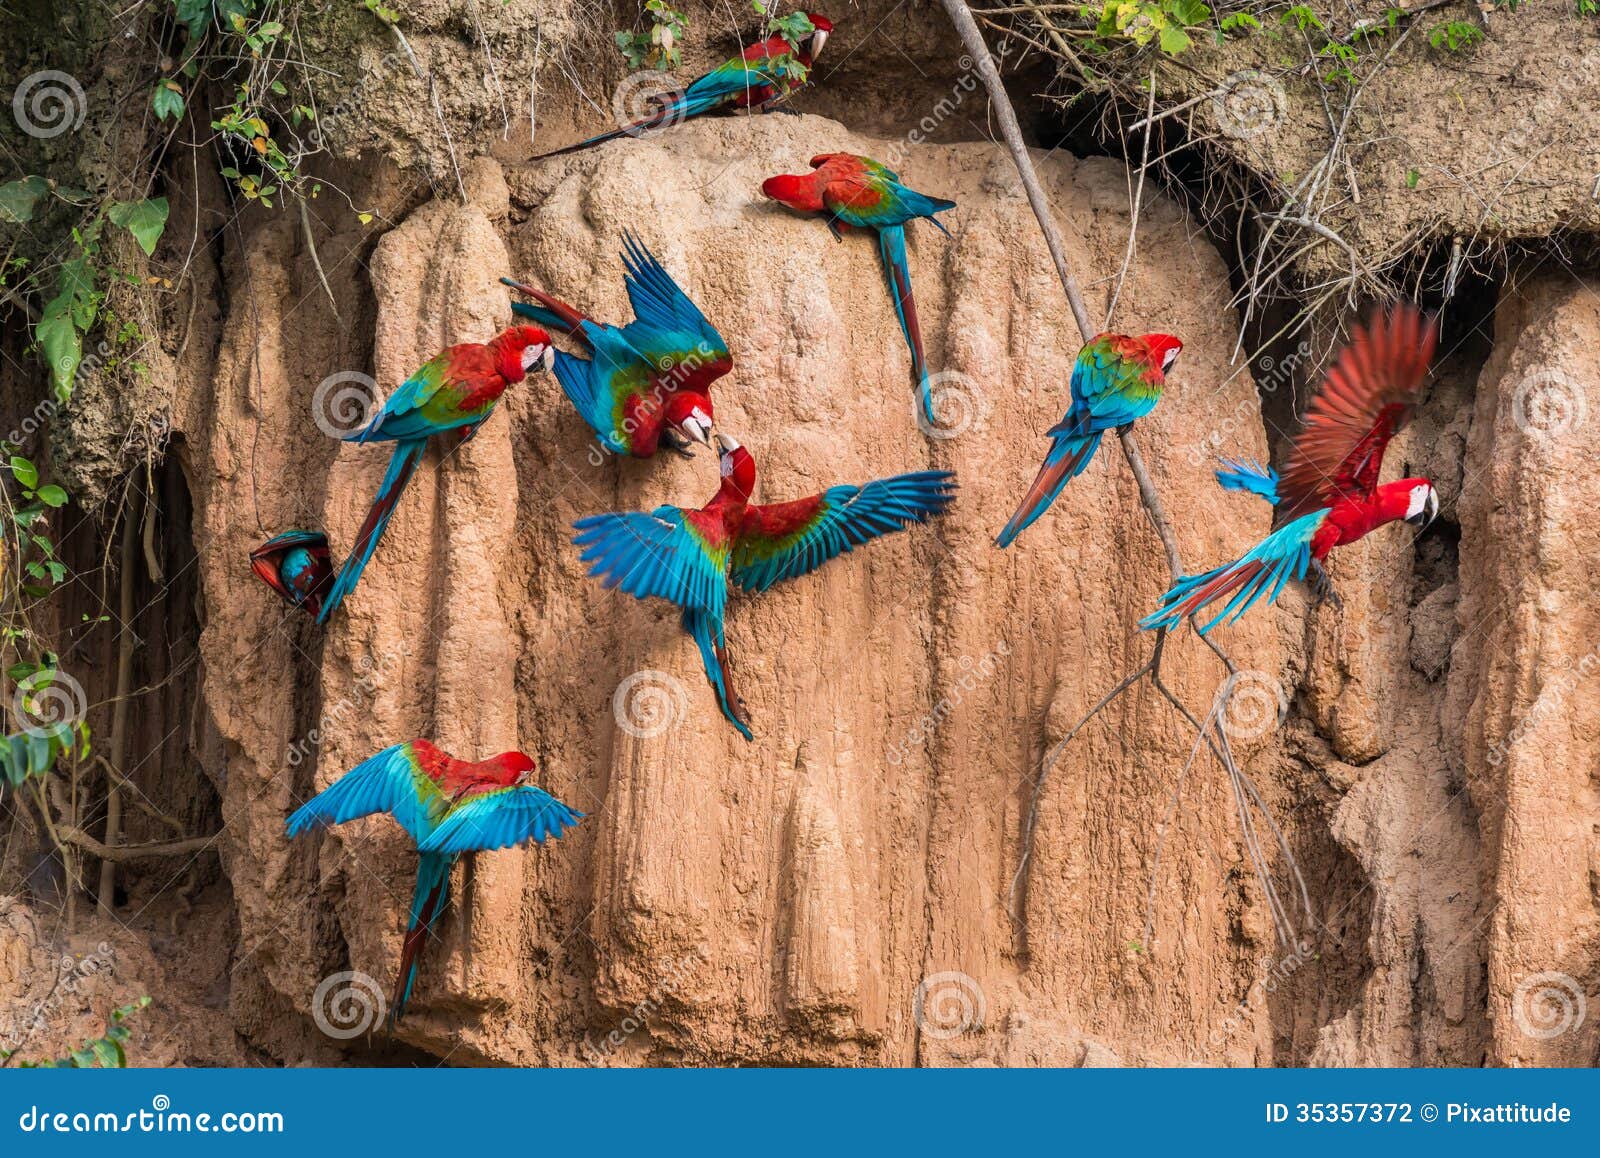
[514,765]
[689,414]
[1411,499]
[298,566]
[797,191]
[823,27]
[1164,350]
[521,349]
[737,467]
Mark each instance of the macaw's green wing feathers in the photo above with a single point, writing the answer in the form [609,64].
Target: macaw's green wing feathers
[501,818]
[676,555]
[734,78]
[1112,385]
[397,780]
[786,540]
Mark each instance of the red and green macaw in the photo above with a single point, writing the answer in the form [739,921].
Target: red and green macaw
[688,556]
[649,381]
[448,807]
[760,78]
[856,192]
[455,391]
[298,566]
[1116,379]
[1329,494]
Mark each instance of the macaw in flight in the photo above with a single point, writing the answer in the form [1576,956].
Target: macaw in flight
[298,566]
[448,807]
[649,381]
[455,391]
[856,192]
[1116,379]
[688,556]
[760,78]
[1329,494]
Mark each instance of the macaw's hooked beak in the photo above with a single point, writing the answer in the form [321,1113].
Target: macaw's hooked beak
[538,356]
[1429,512]
[695,430]
[818,39]
[726,443]
[548,358]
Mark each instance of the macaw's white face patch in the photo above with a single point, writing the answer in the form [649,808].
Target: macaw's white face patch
[1170,357]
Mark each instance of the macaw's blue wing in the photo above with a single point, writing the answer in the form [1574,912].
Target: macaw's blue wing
[738,76]
[1262,571]
[658,301]
[662,553]
[501,818]
[393,781]
[786,540]
[1238,474]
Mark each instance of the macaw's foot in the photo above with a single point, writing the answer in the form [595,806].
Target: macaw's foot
[786,109]
[677,442]
[1322,586]
[833,228]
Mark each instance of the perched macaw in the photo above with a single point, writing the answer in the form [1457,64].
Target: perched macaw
[455,391]
[297,565]
[688,556]
[860,193]
[1116,379]
[649,381]
[760,78]
[449,807]
[1329,493]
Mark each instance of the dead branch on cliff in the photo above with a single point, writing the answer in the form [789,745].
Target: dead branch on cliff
[1247,798]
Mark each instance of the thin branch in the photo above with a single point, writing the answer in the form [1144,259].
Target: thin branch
[123,853]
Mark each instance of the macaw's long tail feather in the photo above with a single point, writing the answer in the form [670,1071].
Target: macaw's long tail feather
[428,902]
[1065,462]
[892,245]
[1262,571]
[551,312]
[402,465]
[1239,474]
[928,206]
[666,115]
[708,636]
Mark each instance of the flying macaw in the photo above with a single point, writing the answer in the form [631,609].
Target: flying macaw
[649,381]
[688,556]
[297,565]
[860,193]
[1116,379]
[455,391]
[760,78]
[1329,493]
[449,807]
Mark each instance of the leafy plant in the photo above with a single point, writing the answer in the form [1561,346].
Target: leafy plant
[108,1052]
[1164,22]
[1458,35]
[657,46]
[794,27]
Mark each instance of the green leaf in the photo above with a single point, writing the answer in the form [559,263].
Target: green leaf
[17,198]
[109,1054]
[1174,40]
[1190,12]
[167,100]
[40,753]
[52,496]
[24,471]
[144,219]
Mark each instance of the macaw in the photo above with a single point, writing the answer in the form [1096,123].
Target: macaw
[455,391]
[1329,493]
[297,565]
[1116,379]
[859,193]
[760,78]
[448,807]
[649,381]
[688,556]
